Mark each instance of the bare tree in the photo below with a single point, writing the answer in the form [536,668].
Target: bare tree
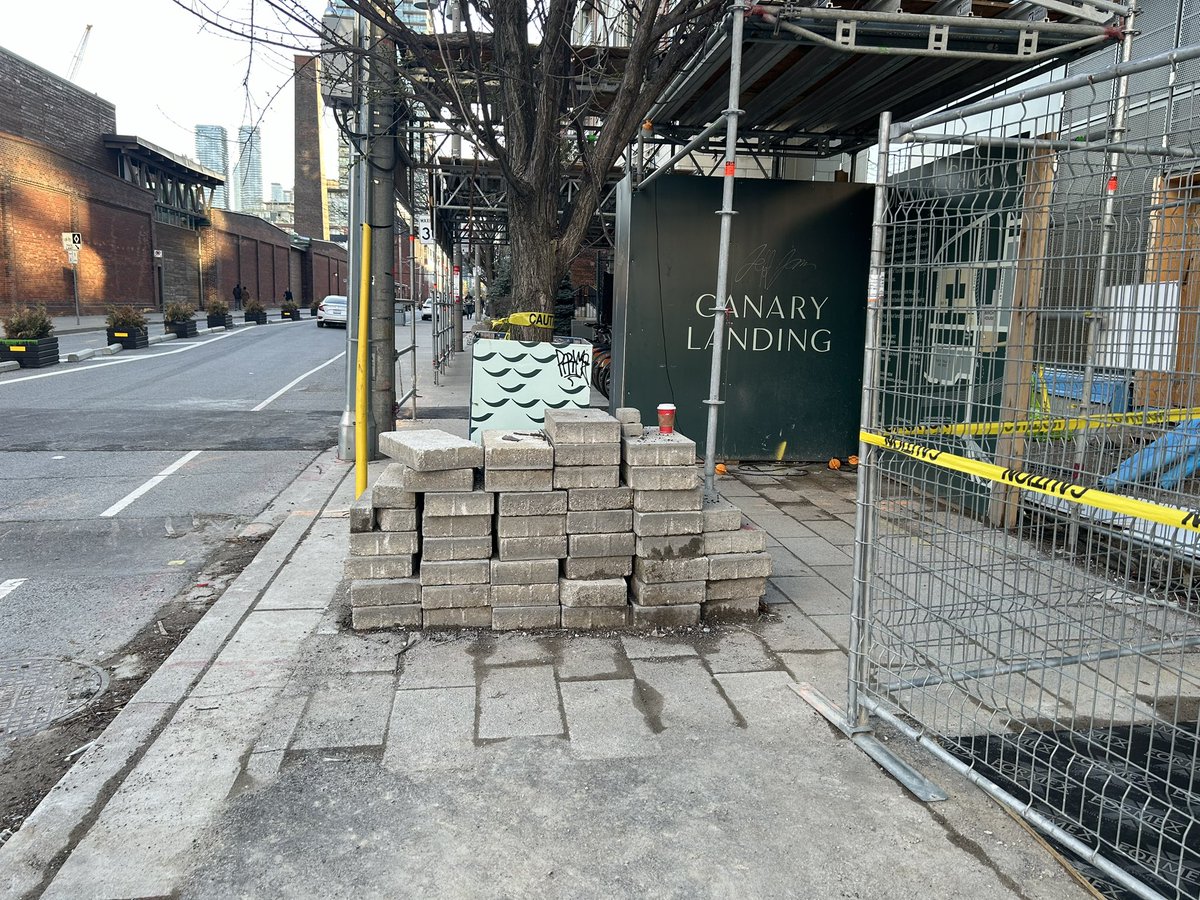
[513,85]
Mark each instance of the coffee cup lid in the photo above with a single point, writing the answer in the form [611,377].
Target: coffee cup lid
[666,406]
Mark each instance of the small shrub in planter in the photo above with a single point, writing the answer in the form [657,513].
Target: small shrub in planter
[29,338]
[127,327]
[218,314]
[290,310]
[177,318]
[255,311]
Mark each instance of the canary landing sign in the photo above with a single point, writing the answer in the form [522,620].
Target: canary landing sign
[795,311]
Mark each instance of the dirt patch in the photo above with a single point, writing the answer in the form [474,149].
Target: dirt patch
[30,765]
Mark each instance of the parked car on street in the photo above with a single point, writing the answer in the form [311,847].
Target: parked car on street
[332,311]
[425,308]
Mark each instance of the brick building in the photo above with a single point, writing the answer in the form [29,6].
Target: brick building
[149,235]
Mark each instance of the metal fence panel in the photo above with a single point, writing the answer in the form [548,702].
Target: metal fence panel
[1027,593]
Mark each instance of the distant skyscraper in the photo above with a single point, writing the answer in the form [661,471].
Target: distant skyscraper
[212,149]
[247,170]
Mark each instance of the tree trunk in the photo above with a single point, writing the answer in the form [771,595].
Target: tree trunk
[535,273]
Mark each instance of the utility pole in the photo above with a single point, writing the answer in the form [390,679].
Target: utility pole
[456,153]
[382,219]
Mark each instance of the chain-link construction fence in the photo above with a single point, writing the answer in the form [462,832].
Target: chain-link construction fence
[1027,598]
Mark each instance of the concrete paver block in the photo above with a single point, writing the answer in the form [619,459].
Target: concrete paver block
[329,721]
[654,448]
[599,521]
[379,566]
[389,490]
[462,571]
[735,589]
[509,618]
[637,647]
[671,546]
[460,503]
[535,503]
[659,524]
[660,571]
[401,616]
[433,663]
[549,547]
[530,526]
[665,616]
[457,617]
[597,592]
[455,526]
[594,499]
[383,543]
[439,549]
[632,430]
[438,480]
[659,478]
[744,540]
[604,720]
[430,450]
[725,566]
[518,479]
[721,515]
[525,571]
[672,593]
[690,500]
[397,519]
[384,592]
[619,544]
[628,415]
[731,611]
[525,595]
[455,596]
[431,728]
[516,450]
[584,568]
[582,426]
[362,513]
[587,454]
[586,477]
[595,616]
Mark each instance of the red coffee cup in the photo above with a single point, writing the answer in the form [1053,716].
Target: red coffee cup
[666,418]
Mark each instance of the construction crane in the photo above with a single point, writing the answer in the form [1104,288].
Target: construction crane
[78,57]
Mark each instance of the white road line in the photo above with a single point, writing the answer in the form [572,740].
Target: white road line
[157,479]
[291,384]
[7,587]
[76,367]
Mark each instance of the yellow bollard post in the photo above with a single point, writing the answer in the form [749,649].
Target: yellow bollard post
[360,380]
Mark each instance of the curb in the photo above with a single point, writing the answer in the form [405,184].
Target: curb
[32,856]
[159,338]
[9,366]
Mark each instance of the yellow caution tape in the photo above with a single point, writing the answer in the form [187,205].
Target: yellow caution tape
[1043,426]
[532,319]
[1042,484]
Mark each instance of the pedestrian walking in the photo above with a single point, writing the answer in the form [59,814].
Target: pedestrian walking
[237,295]
[287,296]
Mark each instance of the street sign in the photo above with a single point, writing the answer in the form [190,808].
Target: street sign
[424,225]
[72,239]
[73,255]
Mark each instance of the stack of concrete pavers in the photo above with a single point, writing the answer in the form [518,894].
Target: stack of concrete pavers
[738,564]
[383,547]
[670,568]
[531,529]
[592,591]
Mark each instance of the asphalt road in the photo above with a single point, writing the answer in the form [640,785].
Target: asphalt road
[92,540]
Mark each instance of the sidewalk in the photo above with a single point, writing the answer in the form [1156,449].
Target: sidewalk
[278,754]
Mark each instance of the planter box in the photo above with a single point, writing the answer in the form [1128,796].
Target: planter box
[294,315]
[225,321]
[32,354]
[181,329]
[312,312]
[257,318]
[133,339]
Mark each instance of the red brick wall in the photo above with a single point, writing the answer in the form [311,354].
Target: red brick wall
[178,263]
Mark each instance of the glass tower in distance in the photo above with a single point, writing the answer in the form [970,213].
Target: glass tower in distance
[247,171]
[212,150]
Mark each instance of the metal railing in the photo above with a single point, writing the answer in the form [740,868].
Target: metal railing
[1027,567]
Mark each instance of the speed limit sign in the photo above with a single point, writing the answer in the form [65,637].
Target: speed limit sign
[425,228]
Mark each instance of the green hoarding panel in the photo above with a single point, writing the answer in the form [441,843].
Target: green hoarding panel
[797,292]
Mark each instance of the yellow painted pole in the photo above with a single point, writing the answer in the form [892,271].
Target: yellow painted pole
[360,381]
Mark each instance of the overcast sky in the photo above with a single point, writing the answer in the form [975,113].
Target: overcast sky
[166,71]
